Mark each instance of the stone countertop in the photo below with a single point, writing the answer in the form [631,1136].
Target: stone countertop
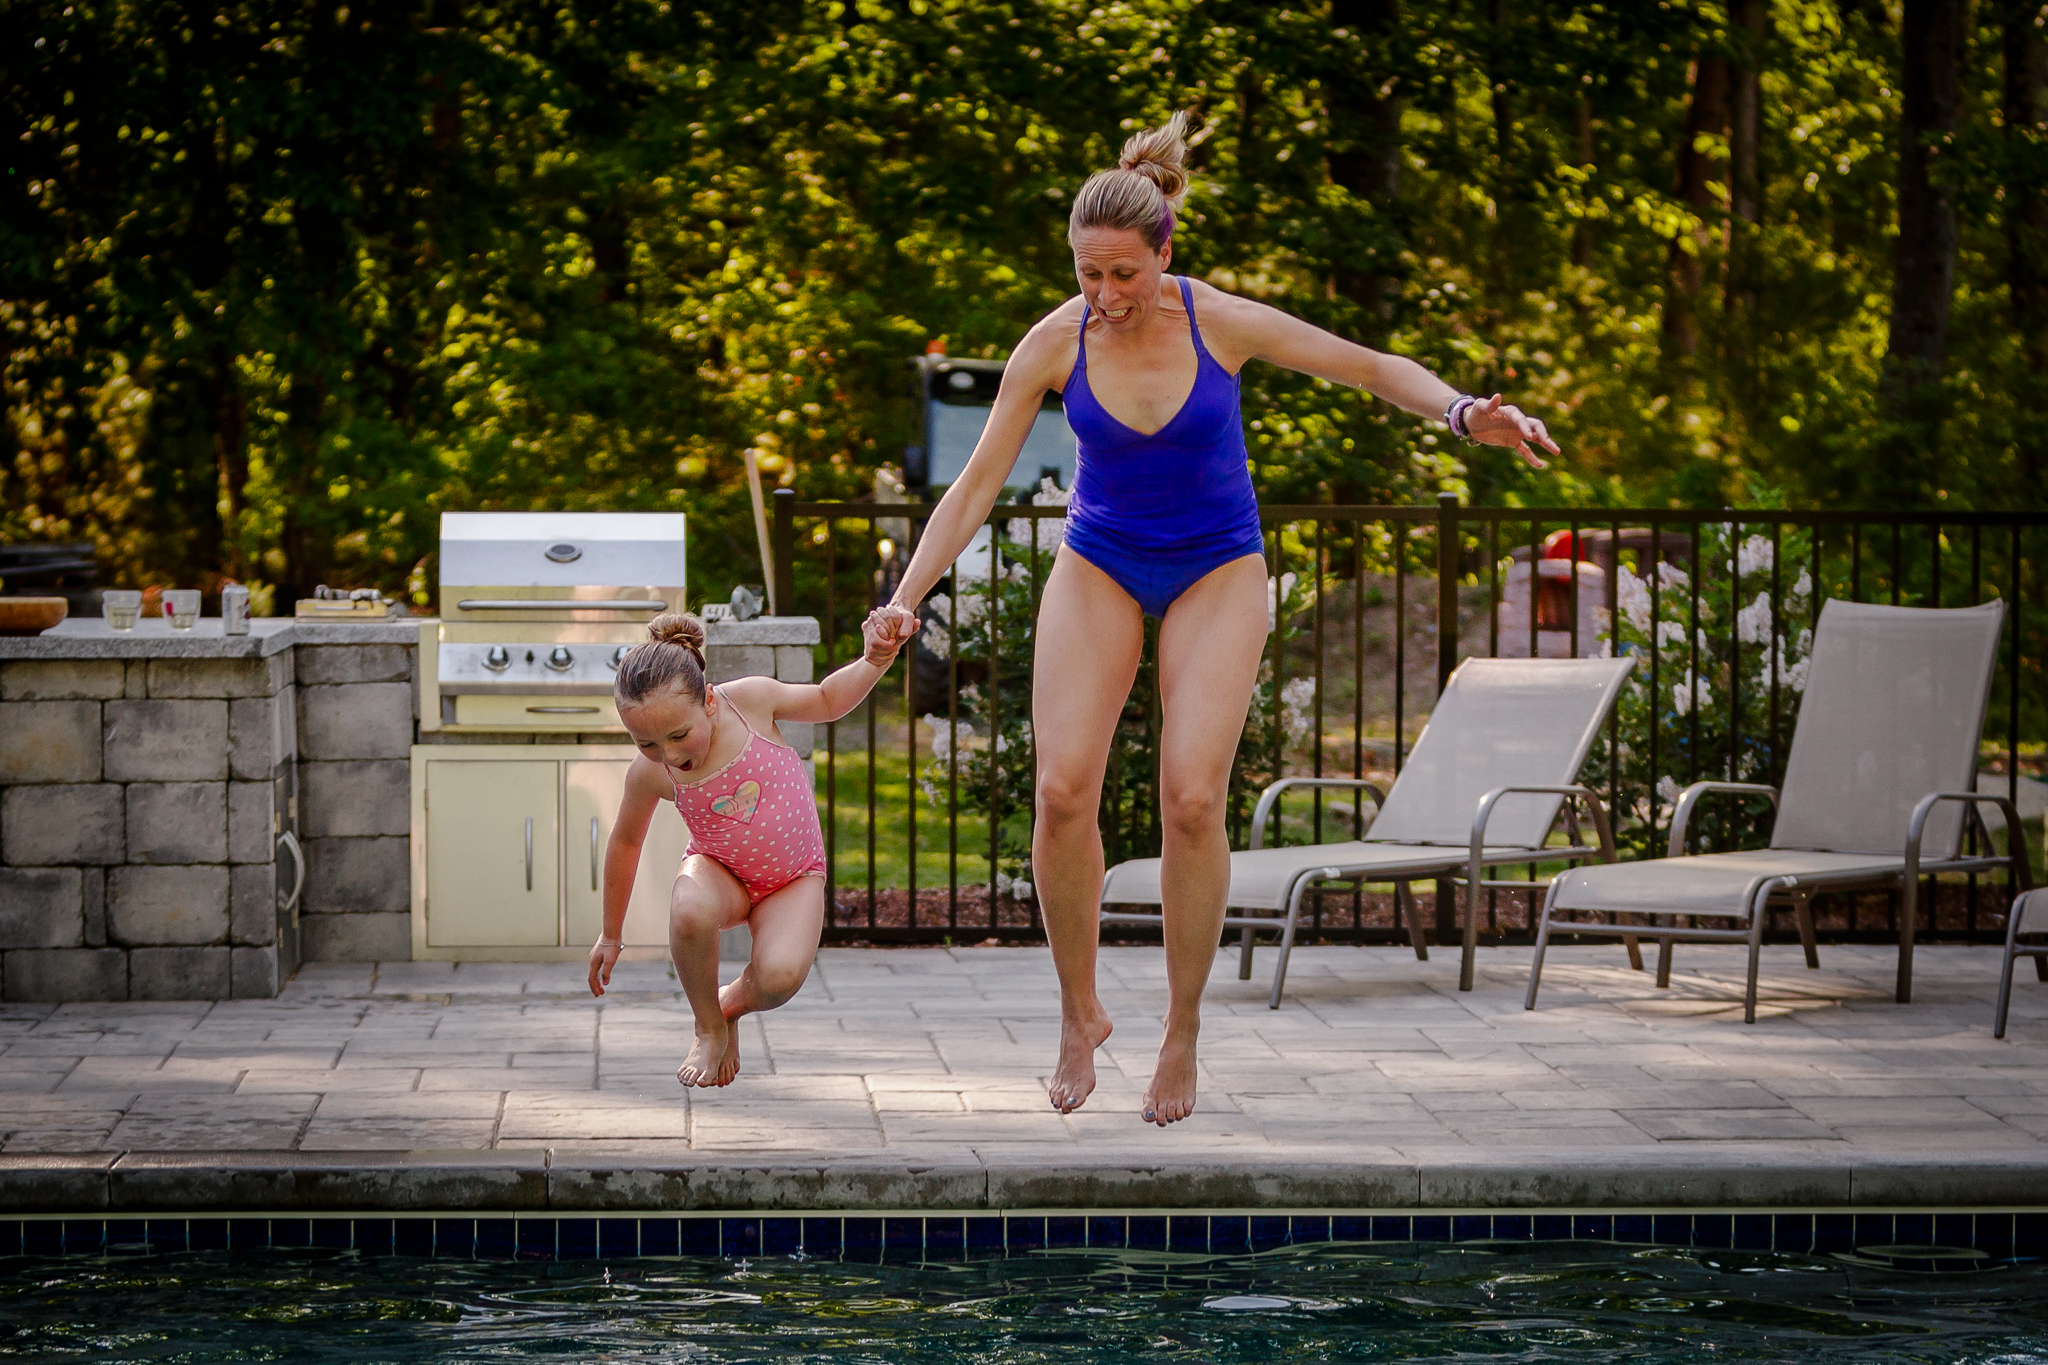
[85,637]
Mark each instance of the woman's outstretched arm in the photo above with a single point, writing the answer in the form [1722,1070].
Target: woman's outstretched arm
[1032,370]
[1256,330]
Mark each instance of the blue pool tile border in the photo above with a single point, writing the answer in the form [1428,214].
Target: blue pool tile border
[872,1237]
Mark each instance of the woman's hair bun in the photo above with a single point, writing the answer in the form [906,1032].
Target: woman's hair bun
[1160,155]
[678,628]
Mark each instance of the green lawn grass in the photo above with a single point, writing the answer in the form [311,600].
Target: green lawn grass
[847,785]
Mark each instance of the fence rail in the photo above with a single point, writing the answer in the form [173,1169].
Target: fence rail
[1373,607]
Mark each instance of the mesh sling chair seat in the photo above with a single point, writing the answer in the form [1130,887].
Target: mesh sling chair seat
[1483,787]
[1877,793]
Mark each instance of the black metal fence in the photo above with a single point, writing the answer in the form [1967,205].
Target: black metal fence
[925,793]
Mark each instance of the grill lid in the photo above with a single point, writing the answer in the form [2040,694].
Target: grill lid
[561,549]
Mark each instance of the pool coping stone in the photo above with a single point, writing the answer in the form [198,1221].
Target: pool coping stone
[538,1180]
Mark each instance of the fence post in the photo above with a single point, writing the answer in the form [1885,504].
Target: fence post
[1447,928]
[1447,559]
[784,587]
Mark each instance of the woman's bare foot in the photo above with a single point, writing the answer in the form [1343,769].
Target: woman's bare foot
[1073,1080]
[697,1068]
[1171,1096]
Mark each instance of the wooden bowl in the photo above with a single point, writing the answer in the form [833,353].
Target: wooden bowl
[30,615]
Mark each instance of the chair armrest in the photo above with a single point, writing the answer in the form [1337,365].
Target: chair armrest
[1272,794]
[1917,826]
[1484,813]
[1690,797]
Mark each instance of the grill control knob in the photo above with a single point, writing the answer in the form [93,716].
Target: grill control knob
[559,659]
[497,659]
[618,657]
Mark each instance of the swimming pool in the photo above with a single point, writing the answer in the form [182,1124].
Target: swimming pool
[1310,1302]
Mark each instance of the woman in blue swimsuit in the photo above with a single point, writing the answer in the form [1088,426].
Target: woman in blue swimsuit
[1163,522]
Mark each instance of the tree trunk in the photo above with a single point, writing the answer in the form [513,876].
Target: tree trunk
[1745,198]
[1923,281]
[2026,194]
[1365,117]
[1931,40]
[1705,114]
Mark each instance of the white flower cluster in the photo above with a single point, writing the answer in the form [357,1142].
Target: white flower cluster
[1051,530]
[1632,594]
[1756,555]
[938,634]
[1279,592]
[1296,699]
[1014,887]
[1687,688]
[1753,622]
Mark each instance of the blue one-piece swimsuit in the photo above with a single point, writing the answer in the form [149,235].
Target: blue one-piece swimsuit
[1158,512]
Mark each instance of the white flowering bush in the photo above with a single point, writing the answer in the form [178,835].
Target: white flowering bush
[1710,710]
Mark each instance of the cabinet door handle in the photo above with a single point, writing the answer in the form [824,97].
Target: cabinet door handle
[593,853]
[529,853]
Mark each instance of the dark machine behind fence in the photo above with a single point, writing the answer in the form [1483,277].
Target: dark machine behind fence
[925,795]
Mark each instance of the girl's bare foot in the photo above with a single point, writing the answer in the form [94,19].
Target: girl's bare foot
[1171,1096]
[1073,1080]
[699,1069]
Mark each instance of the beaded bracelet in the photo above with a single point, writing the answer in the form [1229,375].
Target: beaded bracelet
[1454,417]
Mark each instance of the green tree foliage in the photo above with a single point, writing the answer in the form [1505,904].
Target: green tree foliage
[279,282]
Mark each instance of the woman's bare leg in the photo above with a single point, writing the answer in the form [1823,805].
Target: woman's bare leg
[706,899]
[786,927]
[1209,649]
[1089,636]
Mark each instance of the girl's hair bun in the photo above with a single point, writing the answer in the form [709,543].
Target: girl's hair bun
[672,657]
[1144,191]
[678,628]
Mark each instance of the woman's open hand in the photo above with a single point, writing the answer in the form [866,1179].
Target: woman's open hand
[1495,423]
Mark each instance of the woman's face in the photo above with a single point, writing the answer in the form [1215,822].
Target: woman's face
[670,728]
[1119,275]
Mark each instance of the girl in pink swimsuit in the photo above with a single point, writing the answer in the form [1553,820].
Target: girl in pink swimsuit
[756,854]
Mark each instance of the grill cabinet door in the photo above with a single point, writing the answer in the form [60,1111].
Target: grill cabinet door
[592,788]
[493,854]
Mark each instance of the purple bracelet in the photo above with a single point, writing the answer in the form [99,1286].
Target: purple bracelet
[1454,416]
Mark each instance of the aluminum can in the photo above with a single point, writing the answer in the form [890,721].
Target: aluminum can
[234,610]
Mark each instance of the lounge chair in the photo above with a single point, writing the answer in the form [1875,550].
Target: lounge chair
[2029,905]
[1877,792]
[1483,787]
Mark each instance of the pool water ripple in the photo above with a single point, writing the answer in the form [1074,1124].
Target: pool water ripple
[1541,1302]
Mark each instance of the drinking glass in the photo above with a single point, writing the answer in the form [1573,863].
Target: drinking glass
[181,607]
[122,607]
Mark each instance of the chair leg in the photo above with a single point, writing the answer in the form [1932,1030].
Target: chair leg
[1287,941]
[2005,992]
[2041,969]
[1664,946]
[1406,899]
[1802,912]
[1244,954]
[1635,951]
[1536,963]
[1909,913]
[1756,944]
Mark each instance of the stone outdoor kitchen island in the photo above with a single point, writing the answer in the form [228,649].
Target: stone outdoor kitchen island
[157,791]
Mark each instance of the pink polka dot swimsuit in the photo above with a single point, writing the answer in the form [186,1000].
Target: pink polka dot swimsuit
[757,816]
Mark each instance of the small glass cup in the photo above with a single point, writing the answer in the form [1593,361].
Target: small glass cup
[181,607]
[121,607]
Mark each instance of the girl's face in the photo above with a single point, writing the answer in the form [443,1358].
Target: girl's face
[670,728]
[1119,275]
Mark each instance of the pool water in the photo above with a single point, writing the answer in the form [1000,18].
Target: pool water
[1560,1301]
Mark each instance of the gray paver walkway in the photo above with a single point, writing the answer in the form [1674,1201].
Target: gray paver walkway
[914,1057]
[927,1050]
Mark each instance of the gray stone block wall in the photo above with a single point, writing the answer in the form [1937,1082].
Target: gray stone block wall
[139,802]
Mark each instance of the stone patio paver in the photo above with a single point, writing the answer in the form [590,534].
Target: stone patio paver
[925,1054]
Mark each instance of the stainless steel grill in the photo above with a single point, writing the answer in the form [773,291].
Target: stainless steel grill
[537,608]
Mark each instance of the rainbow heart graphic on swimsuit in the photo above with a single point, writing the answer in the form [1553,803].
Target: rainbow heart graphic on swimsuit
[739,804]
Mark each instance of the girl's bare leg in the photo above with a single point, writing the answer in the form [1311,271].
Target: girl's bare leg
[1089,635]
[706,899]
[1209,649]
[786,925]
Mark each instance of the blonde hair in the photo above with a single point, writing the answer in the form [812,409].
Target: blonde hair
[1144,191]
[673,656]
